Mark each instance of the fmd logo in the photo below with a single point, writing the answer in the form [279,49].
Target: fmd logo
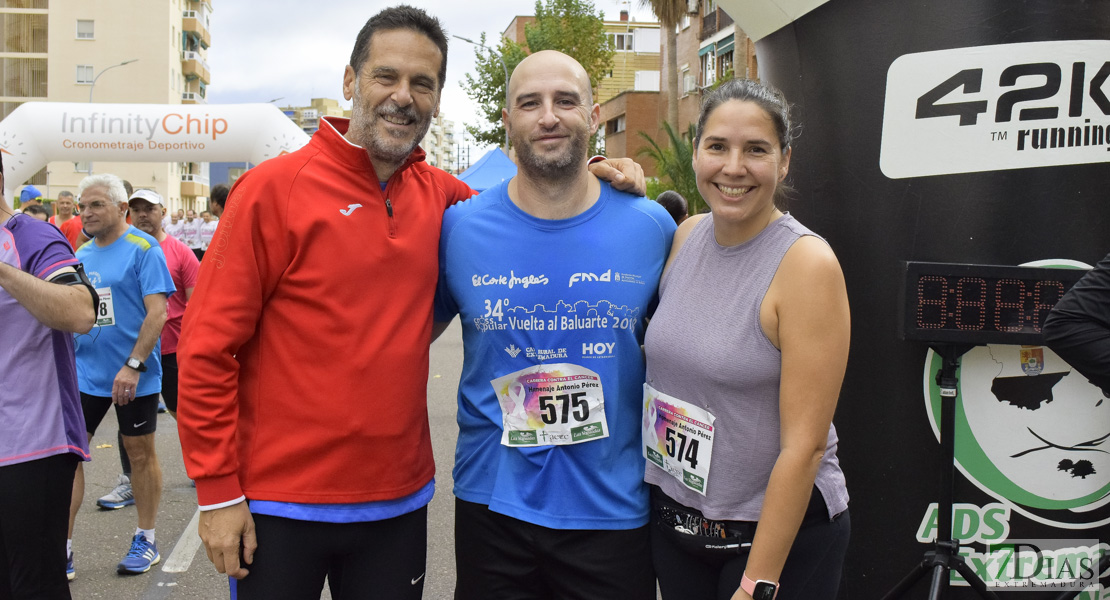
[580,277]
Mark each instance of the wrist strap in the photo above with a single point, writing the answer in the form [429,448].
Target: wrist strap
[748,585]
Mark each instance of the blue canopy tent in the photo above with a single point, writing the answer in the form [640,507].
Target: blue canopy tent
[490,170]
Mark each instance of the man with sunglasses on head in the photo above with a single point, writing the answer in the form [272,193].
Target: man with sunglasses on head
[118,365]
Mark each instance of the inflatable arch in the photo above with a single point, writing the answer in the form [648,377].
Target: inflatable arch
[36,133]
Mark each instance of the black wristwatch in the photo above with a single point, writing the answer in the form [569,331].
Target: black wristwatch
[136,364]
[759,589]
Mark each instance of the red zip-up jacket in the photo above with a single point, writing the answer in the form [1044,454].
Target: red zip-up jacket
[304,349]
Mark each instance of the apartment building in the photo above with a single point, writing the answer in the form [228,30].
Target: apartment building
[710,46]
[308,117]
[630,94]
[439,145]
[100,51]
[636,65]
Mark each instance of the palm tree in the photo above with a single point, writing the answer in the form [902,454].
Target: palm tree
[670,13]
[675,165]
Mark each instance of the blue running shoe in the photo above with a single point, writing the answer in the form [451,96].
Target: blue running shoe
[71,573]
[142,556]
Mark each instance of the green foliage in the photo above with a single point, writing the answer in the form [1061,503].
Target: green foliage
[728,75]
[569,26]
[573,28]
[487,88]
[654,187]
[675,165]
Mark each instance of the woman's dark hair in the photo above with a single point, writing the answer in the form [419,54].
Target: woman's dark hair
[767,97]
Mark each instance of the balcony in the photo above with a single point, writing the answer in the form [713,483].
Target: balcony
[193,98]
[195,22]
[194,67]
[193,184]
[713,22]
[708,25]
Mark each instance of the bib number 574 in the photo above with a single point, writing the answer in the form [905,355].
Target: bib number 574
[681,448]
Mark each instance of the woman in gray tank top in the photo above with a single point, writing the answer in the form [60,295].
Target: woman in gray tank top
[745,358]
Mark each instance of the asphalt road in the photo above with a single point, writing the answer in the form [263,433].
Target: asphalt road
[102,537]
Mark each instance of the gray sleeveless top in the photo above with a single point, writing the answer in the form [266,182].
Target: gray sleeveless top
[705,345]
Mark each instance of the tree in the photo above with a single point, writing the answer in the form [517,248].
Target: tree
[572,27]
[670,13]
[569,26]
[487,88]
[675,164]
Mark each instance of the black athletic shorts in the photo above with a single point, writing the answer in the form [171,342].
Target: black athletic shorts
[375,559]
[499,557]
[137,417]
[693,566]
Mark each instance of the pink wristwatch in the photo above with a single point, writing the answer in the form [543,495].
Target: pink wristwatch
[760,589]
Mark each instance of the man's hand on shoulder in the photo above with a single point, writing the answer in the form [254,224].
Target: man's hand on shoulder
[623,174]
[224,532]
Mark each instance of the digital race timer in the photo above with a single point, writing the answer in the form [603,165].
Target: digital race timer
[980,304]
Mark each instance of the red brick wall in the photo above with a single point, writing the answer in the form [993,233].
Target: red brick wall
[640,110]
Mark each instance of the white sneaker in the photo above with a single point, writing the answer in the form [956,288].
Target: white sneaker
[119,497]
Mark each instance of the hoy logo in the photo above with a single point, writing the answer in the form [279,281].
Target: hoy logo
[598,349]
[580,277]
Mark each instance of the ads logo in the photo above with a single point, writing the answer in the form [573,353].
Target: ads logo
[1030,431]
[992,108]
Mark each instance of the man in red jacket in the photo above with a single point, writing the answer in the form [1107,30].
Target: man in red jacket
[304,350]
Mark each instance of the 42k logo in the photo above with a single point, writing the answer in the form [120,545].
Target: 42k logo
[970,81]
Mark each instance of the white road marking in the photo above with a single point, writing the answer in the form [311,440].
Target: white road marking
[185,549]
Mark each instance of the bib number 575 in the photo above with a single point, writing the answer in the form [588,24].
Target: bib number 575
[550,406]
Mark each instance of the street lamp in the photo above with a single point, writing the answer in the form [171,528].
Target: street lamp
[503,66]
[93,86]
[102,71]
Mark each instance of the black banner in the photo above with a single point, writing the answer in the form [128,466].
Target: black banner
[958,131]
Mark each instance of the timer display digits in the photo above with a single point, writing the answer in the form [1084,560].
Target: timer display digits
[980,304]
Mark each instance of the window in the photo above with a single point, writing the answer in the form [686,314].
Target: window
[23,33]
[81,167]
[724,63]
[84,30]
[685,22]
[23,77]
[622,42]
[84,73]
[689,84]
[647,81]
[708,69]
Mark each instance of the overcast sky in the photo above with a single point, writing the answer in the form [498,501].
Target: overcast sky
[297,50]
